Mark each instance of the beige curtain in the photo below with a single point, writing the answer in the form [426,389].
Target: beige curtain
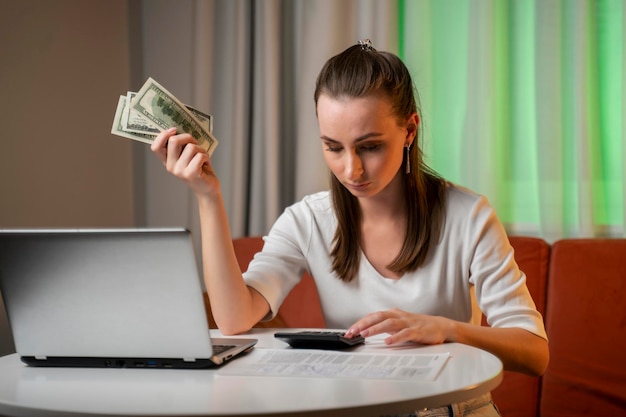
[252,65]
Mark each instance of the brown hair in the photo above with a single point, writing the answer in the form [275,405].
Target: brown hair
[358,72]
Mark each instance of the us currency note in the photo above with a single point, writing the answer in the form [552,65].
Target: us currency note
[164,110]
[133,121]
[205,119]
[118,129]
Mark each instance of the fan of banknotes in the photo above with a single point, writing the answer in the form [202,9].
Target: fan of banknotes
[142,115]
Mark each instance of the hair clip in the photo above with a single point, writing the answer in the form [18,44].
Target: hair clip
[366,45]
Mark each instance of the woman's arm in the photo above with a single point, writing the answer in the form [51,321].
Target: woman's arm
[236,307]
[518,349]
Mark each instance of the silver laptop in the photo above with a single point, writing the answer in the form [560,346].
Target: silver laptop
[108,298]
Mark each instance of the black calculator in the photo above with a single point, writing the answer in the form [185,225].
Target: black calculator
[319,339]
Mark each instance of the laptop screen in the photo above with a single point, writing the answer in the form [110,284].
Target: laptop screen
[103,293]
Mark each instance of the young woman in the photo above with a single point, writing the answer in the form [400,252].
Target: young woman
[394,248]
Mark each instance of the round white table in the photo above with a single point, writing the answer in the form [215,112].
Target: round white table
[30,391]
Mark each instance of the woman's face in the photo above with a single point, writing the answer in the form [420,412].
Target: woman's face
[363,142]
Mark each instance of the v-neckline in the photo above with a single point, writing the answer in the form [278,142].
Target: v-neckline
[372,268]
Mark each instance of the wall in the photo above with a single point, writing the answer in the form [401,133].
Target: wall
[63,65]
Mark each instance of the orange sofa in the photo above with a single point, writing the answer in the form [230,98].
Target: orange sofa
[579,285]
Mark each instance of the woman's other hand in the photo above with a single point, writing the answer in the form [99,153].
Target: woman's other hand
[403,327]
[518,349]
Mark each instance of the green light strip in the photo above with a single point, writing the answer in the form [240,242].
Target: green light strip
[401,34]
[609,50]
[568,122]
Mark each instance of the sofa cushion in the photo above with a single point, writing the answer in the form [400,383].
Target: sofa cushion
[586,324]
[518,394]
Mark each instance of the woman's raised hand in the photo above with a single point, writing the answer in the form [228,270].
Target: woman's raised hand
[185,159]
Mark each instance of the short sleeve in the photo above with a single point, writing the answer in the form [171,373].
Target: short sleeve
[500,285]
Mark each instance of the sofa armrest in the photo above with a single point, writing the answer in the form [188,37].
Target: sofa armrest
[586,324]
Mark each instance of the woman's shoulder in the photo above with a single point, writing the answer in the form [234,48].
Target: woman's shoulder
[312,212]
[315,202]
[314,205]
[458,195]
[463,203]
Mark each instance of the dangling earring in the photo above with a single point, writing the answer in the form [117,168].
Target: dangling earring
[407,170]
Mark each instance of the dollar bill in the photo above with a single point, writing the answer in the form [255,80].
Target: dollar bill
[164,110]
[133,121]
[144,126]
[205,119]
[118,129]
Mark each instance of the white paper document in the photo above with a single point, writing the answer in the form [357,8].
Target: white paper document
[336,364]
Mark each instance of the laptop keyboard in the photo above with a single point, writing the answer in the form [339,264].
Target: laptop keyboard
[217,349]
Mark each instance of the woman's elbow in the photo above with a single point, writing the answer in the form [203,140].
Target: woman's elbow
[229,328]
[539,358]
[544,359]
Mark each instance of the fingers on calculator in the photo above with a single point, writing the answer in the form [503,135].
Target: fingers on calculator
[319,339]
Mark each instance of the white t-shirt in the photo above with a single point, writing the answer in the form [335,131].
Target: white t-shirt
[472,256]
